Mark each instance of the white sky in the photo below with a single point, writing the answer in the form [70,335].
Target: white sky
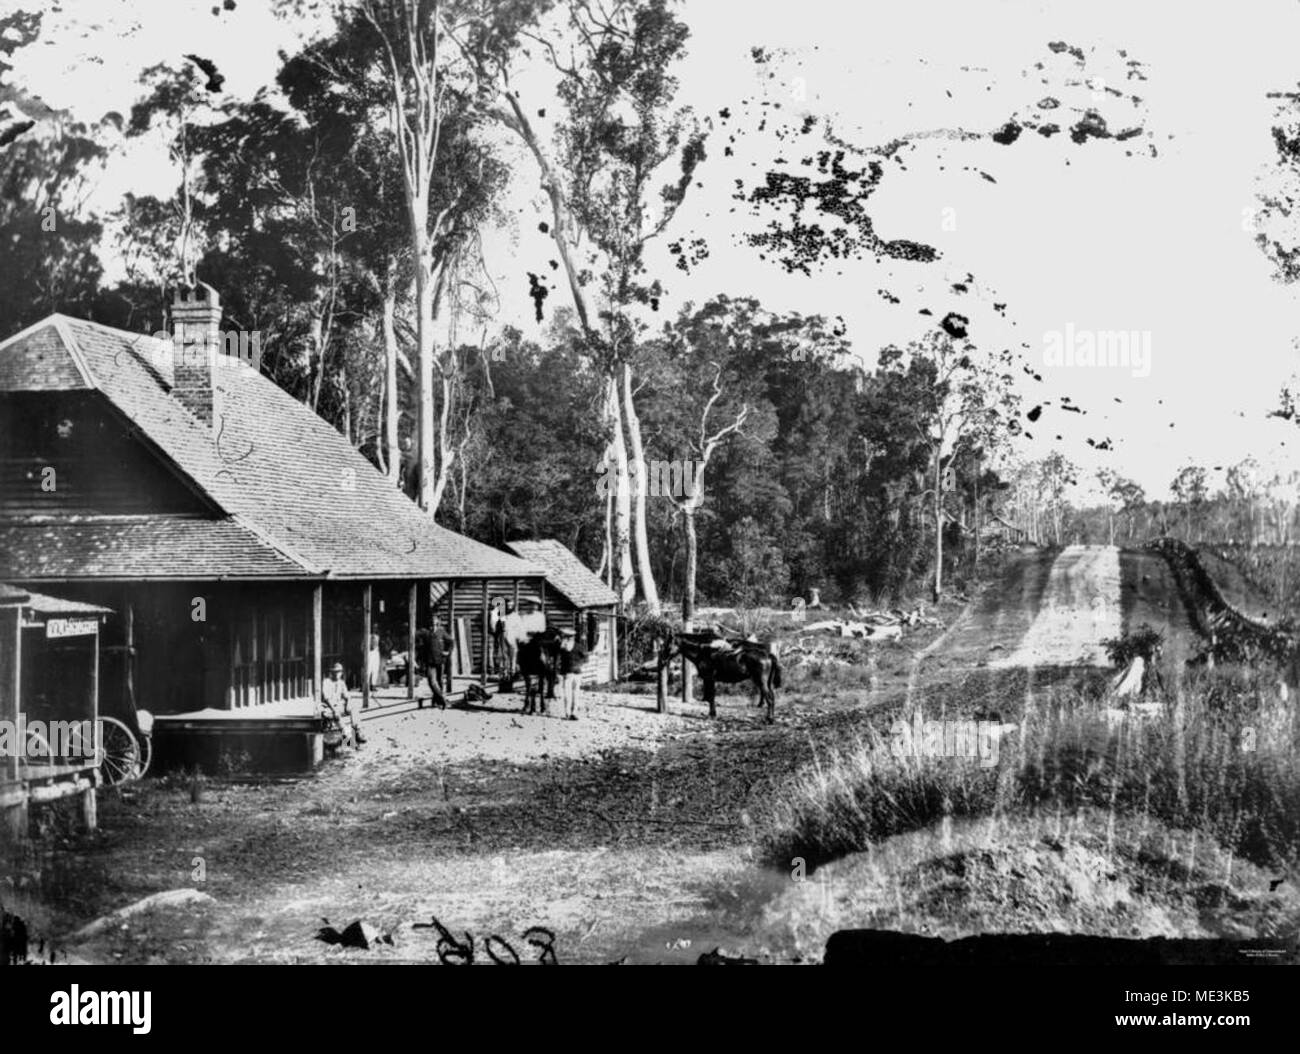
[1106,243]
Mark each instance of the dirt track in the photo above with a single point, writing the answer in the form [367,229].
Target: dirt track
[1080,609]
[1056,609]
[627,833]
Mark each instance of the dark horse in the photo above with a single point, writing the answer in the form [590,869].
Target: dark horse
[730,661]
[537,657]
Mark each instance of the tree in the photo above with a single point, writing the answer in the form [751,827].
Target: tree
[1128,498]
[957,395]
[1058,475]
[602,176]
[49,235]
[708,352]
[429,85]
[1243,493]
[1190,489]
[176,98]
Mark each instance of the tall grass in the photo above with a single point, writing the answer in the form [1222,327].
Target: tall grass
[1223,757]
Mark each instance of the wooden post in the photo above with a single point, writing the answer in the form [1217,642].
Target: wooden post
[688,690]
[412,612]
[234,693]
[94,678]
[89,809]
[541,589]
[454,630]
[366,594]
[128,652]
[661,682]
[516,594]
[317,660]
[13,794]
[483,646]
[613,647]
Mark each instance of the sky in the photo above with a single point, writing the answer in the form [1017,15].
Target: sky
[1073,238]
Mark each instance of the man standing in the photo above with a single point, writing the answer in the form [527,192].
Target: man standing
[569,667]
[334,696]
[439,670]
[374,664]
[497,633]
[513,632]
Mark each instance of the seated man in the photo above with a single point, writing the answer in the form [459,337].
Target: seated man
[334,698]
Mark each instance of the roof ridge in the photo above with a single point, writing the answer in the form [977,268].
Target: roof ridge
[145,360]
[59,323]
[288,552]
[27,331]
[74,350]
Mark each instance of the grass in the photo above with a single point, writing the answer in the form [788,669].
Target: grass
[1222,759]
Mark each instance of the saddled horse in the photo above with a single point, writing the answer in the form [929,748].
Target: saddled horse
[537,659]
[730,661]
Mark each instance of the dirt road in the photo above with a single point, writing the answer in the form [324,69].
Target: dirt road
[1056,610]
[1080,609]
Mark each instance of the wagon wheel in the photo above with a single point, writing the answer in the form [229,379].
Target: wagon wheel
[120,756]
[146,752]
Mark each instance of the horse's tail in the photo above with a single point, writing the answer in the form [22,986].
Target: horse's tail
[774,677]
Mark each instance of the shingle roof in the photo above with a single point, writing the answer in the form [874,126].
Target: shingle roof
[161,547]
[566,572]
[48,605]
[300,496]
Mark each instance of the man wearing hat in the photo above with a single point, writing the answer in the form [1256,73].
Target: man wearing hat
[334,694]
[568,666]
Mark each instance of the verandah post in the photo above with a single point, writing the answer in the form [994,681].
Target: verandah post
[483,645]
[317,605]
[365,645]
[412,606]
[613,647]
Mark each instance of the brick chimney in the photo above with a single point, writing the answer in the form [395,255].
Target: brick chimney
[196,338]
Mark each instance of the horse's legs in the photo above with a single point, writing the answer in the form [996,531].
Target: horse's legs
[709,686]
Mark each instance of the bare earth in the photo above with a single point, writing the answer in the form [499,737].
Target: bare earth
[628,834]
[1080,609]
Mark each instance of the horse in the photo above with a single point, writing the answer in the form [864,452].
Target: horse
[537,657]
[731,662]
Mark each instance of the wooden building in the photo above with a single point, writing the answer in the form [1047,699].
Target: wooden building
[242,541]
[575,596]
[49,704]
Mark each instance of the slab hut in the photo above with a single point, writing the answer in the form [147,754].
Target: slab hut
[49,703]
[575,596]
[244,543]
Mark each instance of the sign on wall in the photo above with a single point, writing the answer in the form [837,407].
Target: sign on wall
[71,627]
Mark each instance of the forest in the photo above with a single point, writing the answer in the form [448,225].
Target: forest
[723,449]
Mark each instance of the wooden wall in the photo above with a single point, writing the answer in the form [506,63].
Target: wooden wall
[98,466]
[560,613]
[252,646]
[464,599]
[10,617]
